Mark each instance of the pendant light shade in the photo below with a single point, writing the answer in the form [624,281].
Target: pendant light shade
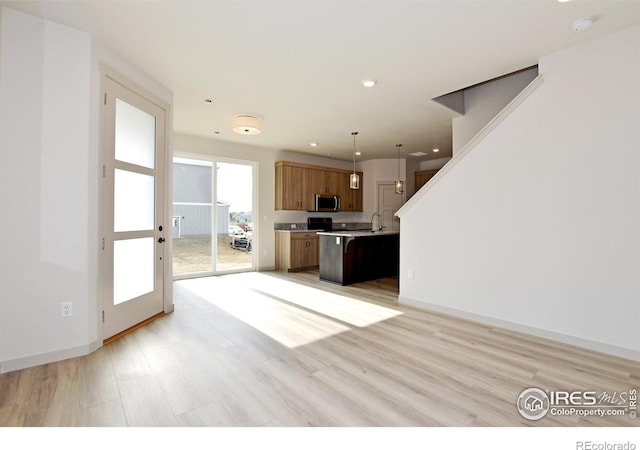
[399,182]
[354,181]
[354,178]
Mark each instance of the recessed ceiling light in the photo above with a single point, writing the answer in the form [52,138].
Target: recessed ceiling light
[313,144]
[216,132]
[369,83]
[436,150]
[358,153]
[418,154]
[582,24]
[563,1]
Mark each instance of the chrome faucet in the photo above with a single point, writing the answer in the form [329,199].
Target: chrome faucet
[379,221]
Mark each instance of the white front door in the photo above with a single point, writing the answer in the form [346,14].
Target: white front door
[133,208]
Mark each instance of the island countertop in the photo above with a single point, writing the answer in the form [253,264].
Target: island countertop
[358,233]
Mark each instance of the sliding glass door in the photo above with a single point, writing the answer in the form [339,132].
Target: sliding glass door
[212,224]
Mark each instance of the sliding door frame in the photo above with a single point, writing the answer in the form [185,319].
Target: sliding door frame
[214,197]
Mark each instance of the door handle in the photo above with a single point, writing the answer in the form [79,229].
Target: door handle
[161,240]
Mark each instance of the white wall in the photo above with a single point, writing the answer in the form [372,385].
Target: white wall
[434,163]
[378,171]
[484,101]
[45,87]
[538,227]
[49,154]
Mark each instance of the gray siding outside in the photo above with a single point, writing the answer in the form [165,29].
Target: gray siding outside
[191,183]
[195,219]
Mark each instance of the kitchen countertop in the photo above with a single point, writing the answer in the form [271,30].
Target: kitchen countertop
[344,233]
[296,231]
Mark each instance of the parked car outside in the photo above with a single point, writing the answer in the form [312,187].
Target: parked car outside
[235,230]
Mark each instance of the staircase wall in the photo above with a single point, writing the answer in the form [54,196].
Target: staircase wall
[537,228]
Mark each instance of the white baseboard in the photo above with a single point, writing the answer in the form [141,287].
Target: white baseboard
[587,344]
[49,357]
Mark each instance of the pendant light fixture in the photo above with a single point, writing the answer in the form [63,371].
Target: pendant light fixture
[399,182]
[354,178]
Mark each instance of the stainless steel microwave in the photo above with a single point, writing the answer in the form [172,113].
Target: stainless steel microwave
[326,203]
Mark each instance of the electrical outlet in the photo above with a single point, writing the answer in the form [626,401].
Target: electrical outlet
[410,274]
[66,309]
[293,226]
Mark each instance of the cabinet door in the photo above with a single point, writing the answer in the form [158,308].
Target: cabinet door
[350,199]
[324,182]
[304,250]
[313,251]
[294,188]
[298,253]
[345,193]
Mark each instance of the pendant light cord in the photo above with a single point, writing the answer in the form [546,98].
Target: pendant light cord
[354,150]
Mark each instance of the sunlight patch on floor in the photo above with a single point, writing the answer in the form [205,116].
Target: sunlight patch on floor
[290,313]
[346,309]
[287,324]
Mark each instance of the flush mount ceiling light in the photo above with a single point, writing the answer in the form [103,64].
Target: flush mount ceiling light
[418,154]
[246,124]
[369,83]
[313,144]
[436,150]
[582,24]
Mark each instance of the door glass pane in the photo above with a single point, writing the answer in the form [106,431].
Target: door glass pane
[133,269]
[135,135]
[192,216]
[234,216]
[133,207]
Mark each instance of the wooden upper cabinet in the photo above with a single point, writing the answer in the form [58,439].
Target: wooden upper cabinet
[422,176]
[350,199]
[324,182]
[292,189]
[297,183]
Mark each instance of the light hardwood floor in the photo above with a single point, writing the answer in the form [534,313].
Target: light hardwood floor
[269,349]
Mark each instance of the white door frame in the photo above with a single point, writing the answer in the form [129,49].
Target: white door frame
[107,72]
[394,224]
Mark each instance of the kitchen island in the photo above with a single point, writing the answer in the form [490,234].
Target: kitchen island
[348,257]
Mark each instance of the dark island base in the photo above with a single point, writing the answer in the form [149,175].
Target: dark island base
[353,260]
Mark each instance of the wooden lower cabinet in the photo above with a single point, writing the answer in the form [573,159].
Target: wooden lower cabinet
[296,251]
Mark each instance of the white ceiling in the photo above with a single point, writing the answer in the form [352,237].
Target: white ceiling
[299,64]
